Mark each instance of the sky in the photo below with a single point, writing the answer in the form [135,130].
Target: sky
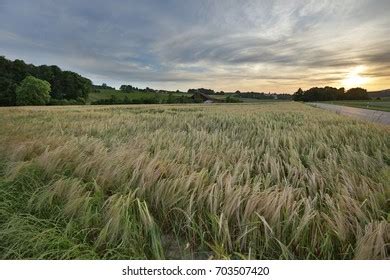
[263,45]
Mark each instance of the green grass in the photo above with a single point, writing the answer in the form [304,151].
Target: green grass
[379,105]
[107,93]
[225,181]
[246,100]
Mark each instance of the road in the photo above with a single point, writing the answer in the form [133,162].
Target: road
[364,114]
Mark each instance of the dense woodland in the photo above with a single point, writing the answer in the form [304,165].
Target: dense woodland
[330,93]
[66,86]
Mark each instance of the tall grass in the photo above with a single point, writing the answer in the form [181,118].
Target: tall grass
[271,181]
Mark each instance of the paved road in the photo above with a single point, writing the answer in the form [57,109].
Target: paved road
[364,114]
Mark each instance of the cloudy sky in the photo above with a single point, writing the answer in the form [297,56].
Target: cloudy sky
[226,45]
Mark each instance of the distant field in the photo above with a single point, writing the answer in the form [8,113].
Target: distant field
[380,105]
[107,93]
[245,100]
[226,181]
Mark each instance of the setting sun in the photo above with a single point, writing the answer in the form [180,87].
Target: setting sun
[355,78]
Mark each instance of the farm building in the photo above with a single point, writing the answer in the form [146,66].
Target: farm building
[201,97]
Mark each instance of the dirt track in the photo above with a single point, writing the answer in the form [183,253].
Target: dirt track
[364,114]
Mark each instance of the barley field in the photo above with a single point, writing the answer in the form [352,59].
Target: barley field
[260,181]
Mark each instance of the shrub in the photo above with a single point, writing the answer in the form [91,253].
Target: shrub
[230,99]
[33,91]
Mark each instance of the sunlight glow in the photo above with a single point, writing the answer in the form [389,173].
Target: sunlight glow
[354,78]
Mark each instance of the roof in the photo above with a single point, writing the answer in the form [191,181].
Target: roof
[203,96]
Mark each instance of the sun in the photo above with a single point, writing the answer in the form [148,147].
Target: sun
[354,78]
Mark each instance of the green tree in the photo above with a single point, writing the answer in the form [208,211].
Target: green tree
[298,96]
[170,98]
[7,92]
[357,94]
[33,91]
[64,84]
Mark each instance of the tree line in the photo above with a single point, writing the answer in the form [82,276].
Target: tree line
[201,90]
[150,99]
[65,86]
[263,95]
[329,94]
[96,88]
[130,89]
